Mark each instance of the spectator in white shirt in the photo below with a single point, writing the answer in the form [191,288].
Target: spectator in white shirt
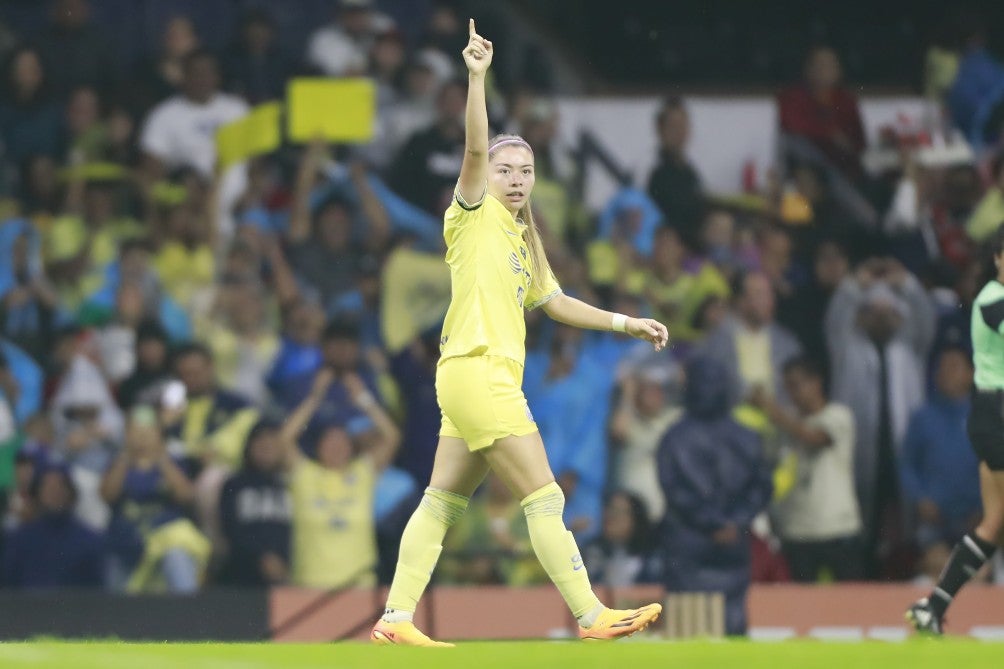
[342,49]
[641,418]
[181,131]
[819,521]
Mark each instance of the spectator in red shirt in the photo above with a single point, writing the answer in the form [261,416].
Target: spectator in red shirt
[824,112]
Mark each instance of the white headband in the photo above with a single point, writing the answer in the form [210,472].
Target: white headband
[510,140]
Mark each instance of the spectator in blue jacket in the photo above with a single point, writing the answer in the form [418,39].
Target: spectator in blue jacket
[55,550]
[569,395]
[300,351]
[28,303]
[715,480]
[938,469]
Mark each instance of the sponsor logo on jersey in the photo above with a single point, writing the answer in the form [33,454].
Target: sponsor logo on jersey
[514,264]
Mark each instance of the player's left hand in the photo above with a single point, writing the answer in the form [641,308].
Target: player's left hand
[649,330]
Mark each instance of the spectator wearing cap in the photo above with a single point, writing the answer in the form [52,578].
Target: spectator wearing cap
[152,545]
[937,468]
[255,67]
[674,184]
[256,514]
[184,257]
[55,549]
[824,112]
[341,49]
[88,426]
[85,241]
[334,538]
[879,328]
[642,416]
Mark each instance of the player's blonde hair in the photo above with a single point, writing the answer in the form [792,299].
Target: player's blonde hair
[531,235]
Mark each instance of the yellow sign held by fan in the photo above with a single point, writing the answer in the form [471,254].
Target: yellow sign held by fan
[252,135]
[338,110]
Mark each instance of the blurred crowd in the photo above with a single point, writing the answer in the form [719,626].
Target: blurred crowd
[227,376]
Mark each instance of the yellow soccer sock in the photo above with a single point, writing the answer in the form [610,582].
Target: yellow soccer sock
[421,545]
[555,548]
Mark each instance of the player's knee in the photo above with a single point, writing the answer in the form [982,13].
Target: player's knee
[548,500]
[447,507]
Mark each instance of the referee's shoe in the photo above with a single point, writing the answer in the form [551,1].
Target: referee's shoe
[923,618]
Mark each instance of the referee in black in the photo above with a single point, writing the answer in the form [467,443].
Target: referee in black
[986,433]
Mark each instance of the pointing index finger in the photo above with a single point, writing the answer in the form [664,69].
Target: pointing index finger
[471,29]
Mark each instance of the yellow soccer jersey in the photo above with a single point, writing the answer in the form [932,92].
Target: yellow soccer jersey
[334,539]
[490,271]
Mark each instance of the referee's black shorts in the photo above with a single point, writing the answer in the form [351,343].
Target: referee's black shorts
[986,427]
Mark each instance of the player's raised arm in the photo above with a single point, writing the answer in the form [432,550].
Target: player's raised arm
[474,170]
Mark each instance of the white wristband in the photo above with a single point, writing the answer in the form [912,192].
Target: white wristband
[619,323]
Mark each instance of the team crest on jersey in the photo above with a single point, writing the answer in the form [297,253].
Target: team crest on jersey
[514,264]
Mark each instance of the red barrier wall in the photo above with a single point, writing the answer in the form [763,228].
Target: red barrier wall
[775,611]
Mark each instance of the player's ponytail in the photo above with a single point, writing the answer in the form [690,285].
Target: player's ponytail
[535,244]
[531,235]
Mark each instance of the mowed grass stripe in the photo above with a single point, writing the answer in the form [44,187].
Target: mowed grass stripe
[803,654]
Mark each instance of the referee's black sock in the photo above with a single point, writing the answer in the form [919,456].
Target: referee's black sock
[969,555]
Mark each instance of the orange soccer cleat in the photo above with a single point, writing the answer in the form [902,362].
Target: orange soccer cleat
[403,633]
[614,624]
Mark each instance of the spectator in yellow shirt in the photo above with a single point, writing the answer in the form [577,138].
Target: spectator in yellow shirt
[334,535]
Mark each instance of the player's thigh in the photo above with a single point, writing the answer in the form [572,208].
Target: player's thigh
[456,469]
[521,463]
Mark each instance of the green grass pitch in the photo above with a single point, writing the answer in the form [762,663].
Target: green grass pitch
[914,654]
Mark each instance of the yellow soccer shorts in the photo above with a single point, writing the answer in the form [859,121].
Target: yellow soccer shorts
[481,399]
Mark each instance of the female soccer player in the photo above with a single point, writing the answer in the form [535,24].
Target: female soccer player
[498,269]
[986,433]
